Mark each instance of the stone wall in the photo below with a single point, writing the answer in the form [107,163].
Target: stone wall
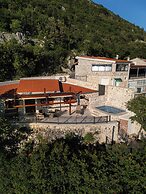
[131,128]
[84,67]
[118,96]
[114,96]
[102,131]
[108,79]
[134,128]
[81,83]
[84,70]
[124,125]
[95,99]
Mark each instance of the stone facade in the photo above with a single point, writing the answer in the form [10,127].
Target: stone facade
[81,83]
[118,96]
[124,125]
[114,96]
[138,85]
[130,127]
[137,76]
[104,132]
[83,71]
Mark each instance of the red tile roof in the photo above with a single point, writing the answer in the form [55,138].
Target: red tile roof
[105,58]
[73,88]
[6,88]
[38,85]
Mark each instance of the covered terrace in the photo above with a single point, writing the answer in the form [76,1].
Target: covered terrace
[40,96]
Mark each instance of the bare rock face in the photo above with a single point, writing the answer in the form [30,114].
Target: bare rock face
[5,36]
[20,37]
[66,70]
[70,69]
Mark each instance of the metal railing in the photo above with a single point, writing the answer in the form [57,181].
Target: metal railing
[63,120]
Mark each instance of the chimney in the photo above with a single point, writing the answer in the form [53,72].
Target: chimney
[128,58]
[117,56]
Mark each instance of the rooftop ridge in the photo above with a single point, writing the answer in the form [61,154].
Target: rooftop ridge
[39,78]
[9,82]
[104,58]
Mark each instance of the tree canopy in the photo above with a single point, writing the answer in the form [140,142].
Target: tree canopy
[56,29]
[138,107]
[68,165]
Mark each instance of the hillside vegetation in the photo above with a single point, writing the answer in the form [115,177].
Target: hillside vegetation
[68,165]
[56,29]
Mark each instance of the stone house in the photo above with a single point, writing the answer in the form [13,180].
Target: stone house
[137,76]
[122,80]
[113,72]
[102,70]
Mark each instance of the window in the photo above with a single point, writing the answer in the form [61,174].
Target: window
[102,67]
[132,84]
[141,82]
[121,67]
[138,90]
[118,81]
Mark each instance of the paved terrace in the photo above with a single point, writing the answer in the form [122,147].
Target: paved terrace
[65,118]
[51,127]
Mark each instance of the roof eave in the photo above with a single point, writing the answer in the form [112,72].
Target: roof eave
[91,59]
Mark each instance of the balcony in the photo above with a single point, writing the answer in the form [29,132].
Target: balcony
[137,73]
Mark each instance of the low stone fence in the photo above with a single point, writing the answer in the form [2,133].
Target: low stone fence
[104,132]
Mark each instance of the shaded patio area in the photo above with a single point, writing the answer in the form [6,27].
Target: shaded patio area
[63,117]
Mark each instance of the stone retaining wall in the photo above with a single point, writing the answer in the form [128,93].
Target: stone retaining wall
[103,131]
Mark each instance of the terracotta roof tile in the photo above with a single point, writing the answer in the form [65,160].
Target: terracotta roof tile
[6,88]
[38,85]
[105,58]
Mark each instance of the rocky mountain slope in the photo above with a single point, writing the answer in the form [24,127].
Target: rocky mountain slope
[62,28]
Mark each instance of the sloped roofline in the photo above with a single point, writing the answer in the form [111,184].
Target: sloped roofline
[41,86]
[105,59]
[138,62]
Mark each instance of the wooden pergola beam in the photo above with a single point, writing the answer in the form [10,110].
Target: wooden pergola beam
[46,104]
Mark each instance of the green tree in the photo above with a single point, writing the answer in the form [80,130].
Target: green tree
[138,107]
[15,25]
[11,136]
[59,28]
[67,165]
